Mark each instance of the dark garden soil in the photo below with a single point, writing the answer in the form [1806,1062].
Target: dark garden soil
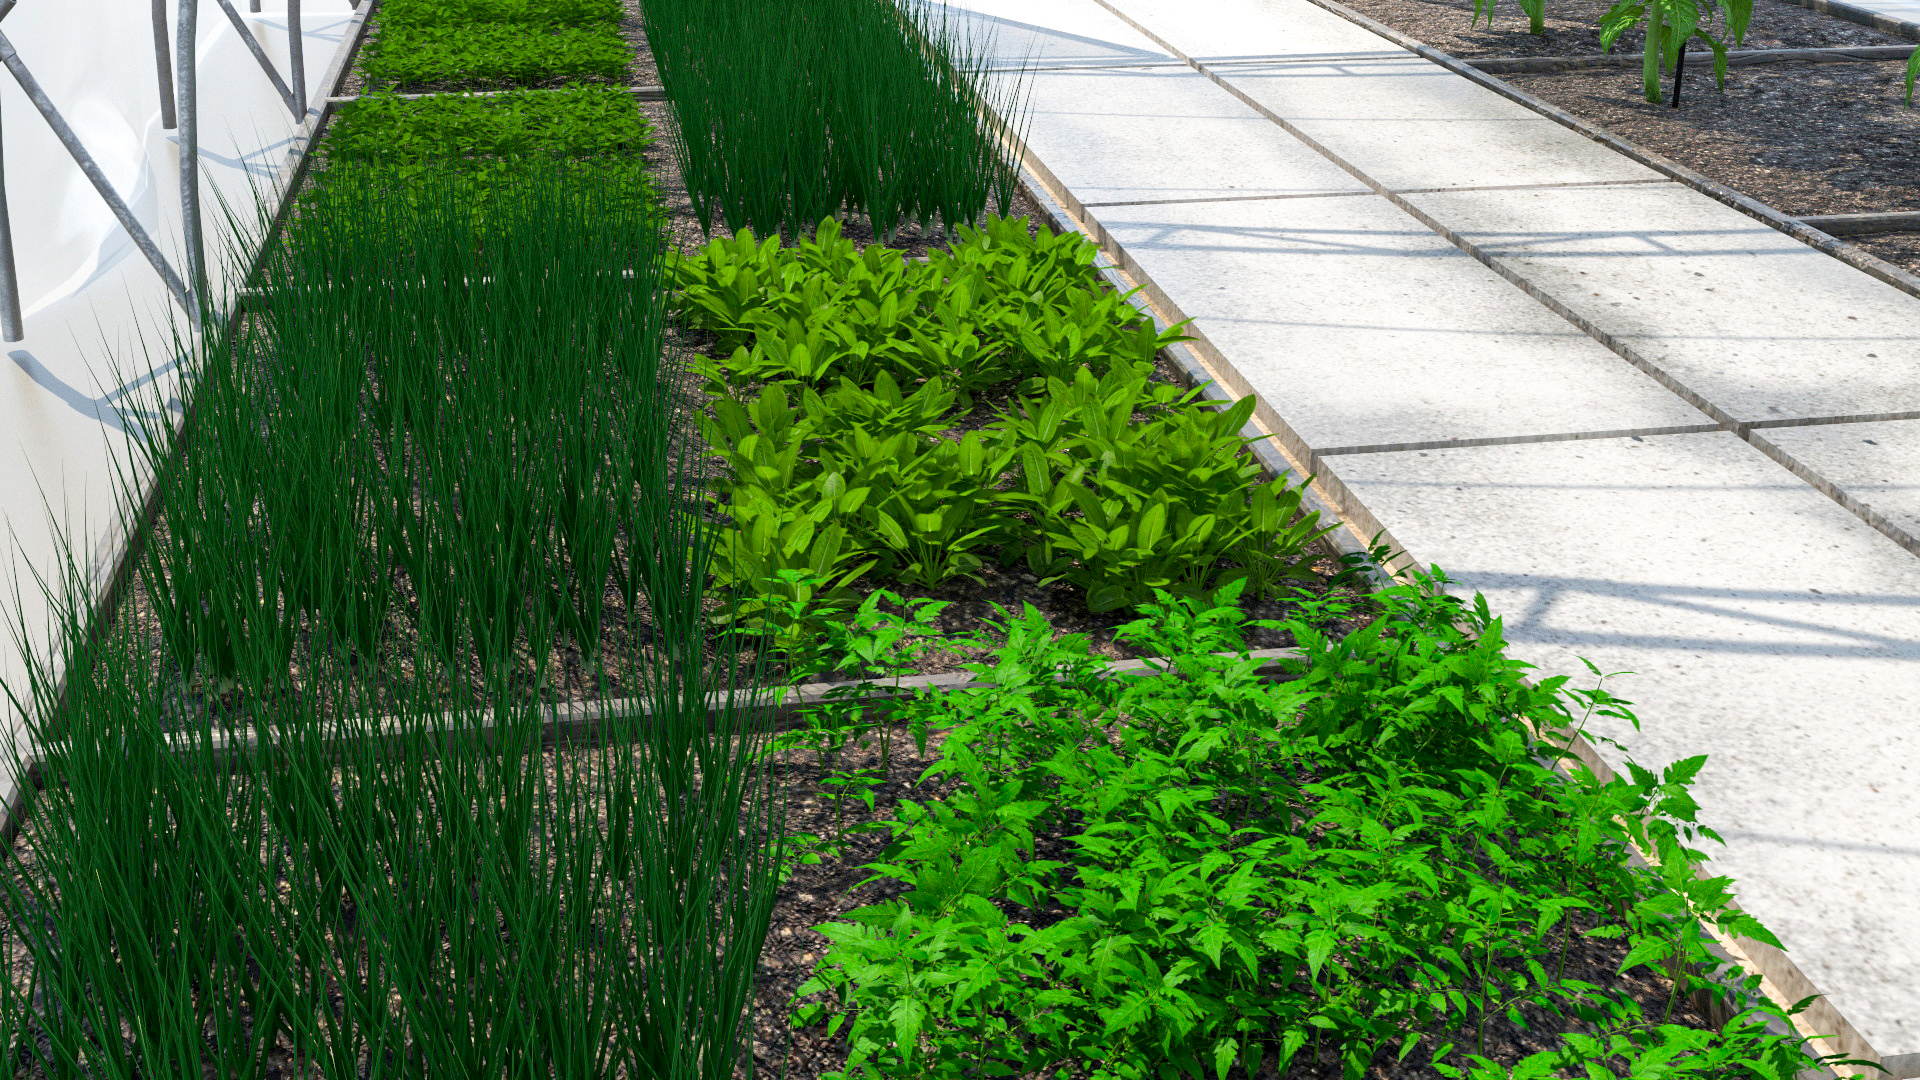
[1804,138]
[827,890]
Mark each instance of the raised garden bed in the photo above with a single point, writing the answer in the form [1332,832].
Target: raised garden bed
[440,477]
[1804,138]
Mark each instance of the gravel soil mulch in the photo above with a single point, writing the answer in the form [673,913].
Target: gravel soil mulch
[1806,139]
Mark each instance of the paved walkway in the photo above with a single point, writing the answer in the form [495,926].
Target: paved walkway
[1656,432]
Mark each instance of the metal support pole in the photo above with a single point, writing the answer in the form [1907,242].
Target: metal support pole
[186,38]
[11,328]
[260,57]
[297,59]
[163,62]
[11,58]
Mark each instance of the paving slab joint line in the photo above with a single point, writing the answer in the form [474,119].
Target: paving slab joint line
[1518,440]
[1850,254]
[1397,191]
[1360,531]
[1826,421]
[1499,266]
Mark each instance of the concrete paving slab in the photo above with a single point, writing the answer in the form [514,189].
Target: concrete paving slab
[1233,31]
[1757,323]
[1768,628]
[1361,327]
[1411,124]
[1018,33]
[1140,134]
[1877,463]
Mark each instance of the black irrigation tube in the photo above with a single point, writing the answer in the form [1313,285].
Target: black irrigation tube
[1515,65]
[1359,533]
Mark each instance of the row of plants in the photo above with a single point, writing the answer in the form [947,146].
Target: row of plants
[432,449]
[1204,873]
[905,421]
[481,44]
[432,461]
[789,113]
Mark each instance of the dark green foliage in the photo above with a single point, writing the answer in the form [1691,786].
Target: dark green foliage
[847,366]
[583,121]
[1370,860]
[792,112]
[400,880]
[486,55]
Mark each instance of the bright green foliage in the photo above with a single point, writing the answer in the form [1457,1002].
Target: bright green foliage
[1125,509]
[880,351]
[583,121]
[1237,887]
[1002,304]
[792,112]
[526,12]
[1669,24]
[431,450]
[487,55]
[1913,73]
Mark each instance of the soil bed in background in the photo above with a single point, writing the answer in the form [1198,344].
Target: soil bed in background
[1806,139]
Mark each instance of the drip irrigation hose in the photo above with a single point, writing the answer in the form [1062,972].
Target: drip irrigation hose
[1679,66]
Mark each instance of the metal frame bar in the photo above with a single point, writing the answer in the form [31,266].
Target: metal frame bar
[12,327]
[186,80]
[296,106]
[141,239]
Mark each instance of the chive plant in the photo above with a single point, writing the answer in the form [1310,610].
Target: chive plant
[307,811]
[790,113]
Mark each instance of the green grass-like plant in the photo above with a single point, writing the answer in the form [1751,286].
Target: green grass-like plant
[435,447]
[488,55]
[789,113]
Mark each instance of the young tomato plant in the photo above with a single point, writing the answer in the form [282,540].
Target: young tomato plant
[1669,25]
